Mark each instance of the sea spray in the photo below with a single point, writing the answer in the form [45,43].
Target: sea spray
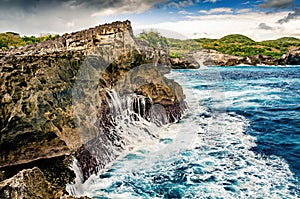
[132,123]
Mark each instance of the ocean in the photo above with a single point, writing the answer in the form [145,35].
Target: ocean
[239,138]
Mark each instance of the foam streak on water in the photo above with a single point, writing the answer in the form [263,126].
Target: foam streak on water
[206,155]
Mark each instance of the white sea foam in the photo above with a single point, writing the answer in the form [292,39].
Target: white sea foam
[218,163]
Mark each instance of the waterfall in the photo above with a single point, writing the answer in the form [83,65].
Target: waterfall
[77,187]
[135,116]
[135,119]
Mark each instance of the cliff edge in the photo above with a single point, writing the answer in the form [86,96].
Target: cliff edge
[56,100]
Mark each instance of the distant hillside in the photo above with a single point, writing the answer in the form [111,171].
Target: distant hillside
[236,38]
[234,44]
[241,45]
[177,47]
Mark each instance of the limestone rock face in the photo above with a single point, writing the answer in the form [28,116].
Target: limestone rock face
[212,57]
[36,119]
[186,62]
[160,94]
[53,97]
[28,184]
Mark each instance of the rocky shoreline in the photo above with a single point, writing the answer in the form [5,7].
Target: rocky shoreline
[208,57]
[54,105]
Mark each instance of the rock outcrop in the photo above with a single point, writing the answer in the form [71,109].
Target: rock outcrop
[209,57]
[186,62]
[54,99]
[291,58]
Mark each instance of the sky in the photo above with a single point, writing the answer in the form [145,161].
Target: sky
[257,19]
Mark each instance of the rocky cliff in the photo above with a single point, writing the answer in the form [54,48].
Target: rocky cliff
[56,99]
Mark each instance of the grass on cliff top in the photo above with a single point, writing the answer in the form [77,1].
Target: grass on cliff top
[234,44]
[11,39]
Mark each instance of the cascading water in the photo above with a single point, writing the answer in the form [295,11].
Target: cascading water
[135,119]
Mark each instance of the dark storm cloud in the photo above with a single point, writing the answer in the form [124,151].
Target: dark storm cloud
[291,16]
[277,4]
[30,5]
[264,26]
[36,16]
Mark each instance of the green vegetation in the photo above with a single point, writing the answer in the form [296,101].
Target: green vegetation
[234,44]
[11,39]
[175,55]
[179,47]
[241,45]
[154,39]
[176,47]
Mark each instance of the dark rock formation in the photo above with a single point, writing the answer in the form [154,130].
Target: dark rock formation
[54,99]
[291,58]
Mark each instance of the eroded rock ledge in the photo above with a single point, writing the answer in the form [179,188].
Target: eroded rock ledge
[208,57]
[45,84]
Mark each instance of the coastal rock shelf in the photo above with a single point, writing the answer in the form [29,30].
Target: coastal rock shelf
[209,57]
[55,100]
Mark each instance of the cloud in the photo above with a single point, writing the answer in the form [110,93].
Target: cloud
[181,3]
[59,16]
[216,11]
[291,16]
[246,3]
[217,26]
[264,26]
[183,12]
[277,4]
[245,10]
[211,1]
[125,9]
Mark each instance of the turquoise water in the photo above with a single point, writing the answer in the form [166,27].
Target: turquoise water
[240,138]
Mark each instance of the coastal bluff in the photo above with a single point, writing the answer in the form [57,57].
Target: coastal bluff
[55,104]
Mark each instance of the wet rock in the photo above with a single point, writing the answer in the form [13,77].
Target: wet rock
[160,94]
